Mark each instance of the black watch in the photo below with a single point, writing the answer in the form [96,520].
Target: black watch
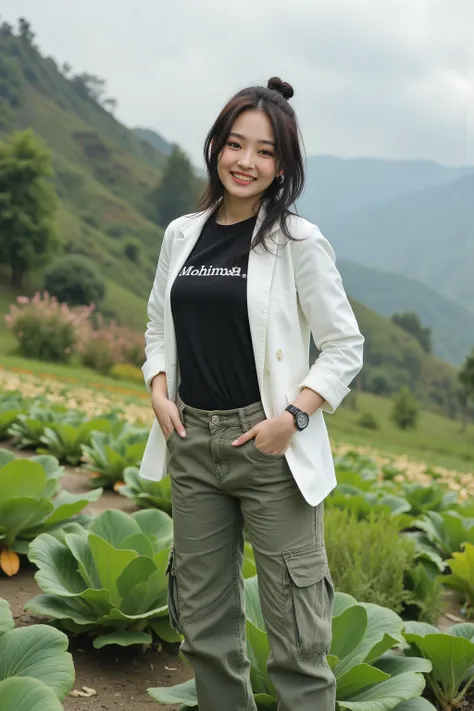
[301,418]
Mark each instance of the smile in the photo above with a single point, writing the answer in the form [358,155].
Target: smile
[242,178]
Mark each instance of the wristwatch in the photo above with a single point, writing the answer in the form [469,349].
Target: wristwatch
[301,418]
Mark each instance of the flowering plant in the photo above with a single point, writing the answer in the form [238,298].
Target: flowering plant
[46,329]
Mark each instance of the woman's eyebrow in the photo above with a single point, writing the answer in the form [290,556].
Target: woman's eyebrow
[242,138]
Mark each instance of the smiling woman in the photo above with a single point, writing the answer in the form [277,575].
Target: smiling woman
[239,425]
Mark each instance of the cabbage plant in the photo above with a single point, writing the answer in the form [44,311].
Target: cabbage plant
[369,677]
[29,427]
[445,532]
[144,492]
[451,654]
[110,453]
[32,503]
[108,580]
[36,671]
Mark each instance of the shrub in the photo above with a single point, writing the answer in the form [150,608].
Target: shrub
[73,280]
[109,344]
[126,371]
[405,409]
[368,421]
[45,329]
[368,558]
[132,250]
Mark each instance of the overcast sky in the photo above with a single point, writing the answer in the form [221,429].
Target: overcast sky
[381,78]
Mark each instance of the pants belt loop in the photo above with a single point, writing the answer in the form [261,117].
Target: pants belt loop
[181,408]
[243,419]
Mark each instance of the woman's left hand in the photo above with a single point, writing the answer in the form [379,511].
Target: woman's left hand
[271,436]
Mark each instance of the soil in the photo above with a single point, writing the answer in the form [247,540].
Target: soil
[119,675]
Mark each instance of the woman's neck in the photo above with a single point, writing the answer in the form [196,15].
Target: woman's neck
[234,210]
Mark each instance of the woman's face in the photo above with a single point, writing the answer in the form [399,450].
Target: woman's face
[248,164]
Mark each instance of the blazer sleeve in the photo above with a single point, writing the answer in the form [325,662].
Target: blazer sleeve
[331,320]
[154,334]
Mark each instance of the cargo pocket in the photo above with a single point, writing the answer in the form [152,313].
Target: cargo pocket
[173,595]
[309,598]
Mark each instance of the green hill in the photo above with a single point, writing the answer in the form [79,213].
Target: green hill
[393,358]
[104,173]
[386,293]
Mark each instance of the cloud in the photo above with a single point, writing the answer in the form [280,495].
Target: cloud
[391,79]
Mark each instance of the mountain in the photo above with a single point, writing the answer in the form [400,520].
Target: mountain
[386,293]
[339,187]
[154,139]
[103,171]
[427,235]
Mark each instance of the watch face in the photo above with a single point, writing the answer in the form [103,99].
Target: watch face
[302,420]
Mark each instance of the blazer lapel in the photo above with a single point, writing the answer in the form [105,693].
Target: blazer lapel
[259,278]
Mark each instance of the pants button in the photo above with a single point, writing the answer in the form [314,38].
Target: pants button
[215,419]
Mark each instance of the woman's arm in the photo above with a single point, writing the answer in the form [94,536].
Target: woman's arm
[332,323]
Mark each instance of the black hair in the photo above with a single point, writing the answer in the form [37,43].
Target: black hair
[281,194]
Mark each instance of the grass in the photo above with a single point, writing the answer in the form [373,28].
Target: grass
[70,374]
[437,440]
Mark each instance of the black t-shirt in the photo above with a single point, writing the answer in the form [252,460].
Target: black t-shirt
[209,306]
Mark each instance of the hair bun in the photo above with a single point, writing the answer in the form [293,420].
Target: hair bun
[283,88]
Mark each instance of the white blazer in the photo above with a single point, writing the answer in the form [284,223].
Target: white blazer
[291,291]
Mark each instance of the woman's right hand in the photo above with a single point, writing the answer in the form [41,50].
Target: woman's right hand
[166,411]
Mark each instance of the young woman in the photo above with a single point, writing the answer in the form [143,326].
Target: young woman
[239,413]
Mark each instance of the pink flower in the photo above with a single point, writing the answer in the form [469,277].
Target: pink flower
[22,299]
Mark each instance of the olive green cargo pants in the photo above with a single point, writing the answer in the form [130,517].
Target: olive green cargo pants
[216,489]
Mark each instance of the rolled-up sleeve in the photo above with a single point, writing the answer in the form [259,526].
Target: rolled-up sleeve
[154,334]
[331,319]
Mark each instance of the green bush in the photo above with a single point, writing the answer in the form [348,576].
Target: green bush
[405,409]
[98,355]
[74,281]
[49,339]
[132,250]
[126,371]
[368,421]
[368,558]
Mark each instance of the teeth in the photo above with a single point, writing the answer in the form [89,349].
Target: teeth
[242,177]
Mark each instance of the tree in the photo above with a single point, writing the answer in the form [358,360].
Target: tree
[24,30]
[466,380]
[74,281]
[410,322]
[90,86]
[28,204]
[405,409]
[177,193]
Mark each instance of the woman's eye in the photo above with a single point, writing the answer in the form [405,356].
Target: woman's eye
[267,153]
[232,144]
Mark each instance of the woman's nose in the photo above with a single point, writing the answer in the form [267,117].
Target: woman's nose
[246,161]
